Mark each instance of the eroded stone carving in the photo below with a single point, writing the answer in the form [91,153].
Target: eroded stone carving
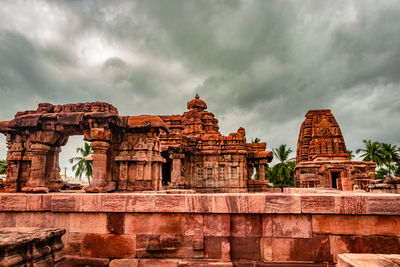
[131,153]
[322,159]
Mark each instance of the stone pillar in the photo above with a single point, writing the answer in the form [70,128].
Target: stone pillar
[53,169]
[261,172]
[100,182]
[37,179]
[176,170]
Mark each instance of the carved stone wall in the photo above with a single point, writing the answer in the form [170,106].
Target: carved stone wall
[205,160]
[34,140]
[131,153]
[322,159]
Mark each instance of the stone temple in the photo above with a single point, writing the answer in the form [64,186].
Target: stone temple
[322,159]
[132,153]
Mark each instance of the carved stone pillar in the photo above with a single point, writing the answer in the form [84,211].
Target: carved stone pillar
[37,179]
[53,169]
[261,172]
[176,170]
[100,182]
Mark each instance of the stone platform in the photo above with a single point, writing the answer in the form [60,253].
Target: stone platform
[298,227]
[370,260]
[26,246]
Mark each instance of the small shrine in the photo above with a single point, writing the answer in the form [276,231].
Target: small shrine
[322,159]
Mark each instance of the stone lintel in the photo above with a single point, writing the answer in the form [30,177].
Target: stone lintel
[259,203]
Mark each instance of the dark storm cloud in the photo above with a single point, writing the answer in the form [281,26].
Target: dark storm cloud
[258,64]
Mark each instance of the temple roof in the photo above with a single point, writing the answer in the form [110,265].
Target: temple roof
[197,103]
[146,121]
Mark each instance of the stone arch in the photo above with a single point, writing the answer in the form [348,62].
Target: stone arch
[34,139]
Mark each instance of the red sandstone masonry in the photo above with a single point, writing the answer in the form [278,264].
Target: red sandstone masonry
[268,227]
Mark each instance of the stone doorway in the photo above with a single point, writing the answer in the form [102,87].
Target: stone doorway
[67,152]
[166,168]
[334,176]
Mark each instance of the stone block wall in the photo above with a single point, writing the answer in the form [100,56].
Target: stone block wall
[303,227]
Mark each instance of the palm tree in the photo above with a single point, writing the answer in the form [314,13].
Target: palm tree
[82,165]
[256,140]
[3,167]
[351,154]
[391,156]
[372,152]
[282,172]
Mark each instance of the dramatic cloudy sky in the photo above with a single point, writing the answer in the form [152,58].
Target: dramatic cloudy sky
[257,64]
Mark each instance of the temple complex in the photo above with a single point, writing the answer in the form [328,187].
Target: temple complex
[132,153]
[199,157]
[322,159]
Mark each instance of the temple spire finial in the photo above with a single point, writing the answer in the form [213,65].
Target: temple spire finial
[197,96]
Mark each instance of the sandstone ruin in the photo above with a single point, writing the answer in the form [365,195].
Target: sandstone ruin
[322,159]
[132,153]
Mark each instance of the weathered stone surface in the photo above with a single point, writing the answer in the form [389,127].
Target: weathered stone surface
[63,203]
[256,203]
[141,203]
[154,223]
[193,224]
[267,225]
[283,204]
[371,260]
[116,223]
[109,246]
[295,226]
[296,249]
[13,202]
[350,204]
[363,244]
[356,225]
[383,204]
[72,261]
[217,247]
[114,203]
[158,262]
[38,202]
[246,225]
[245,248]
[216,225]
[88,223]
[316,204]
[27,246]
[124,263]
[170,203]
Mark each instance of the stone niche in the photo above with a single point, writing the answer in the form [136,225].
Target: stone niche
[132,153]
[322,159]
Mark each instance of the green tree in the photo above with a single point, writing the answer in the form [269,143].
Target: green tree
[391,157]
[372,151]
[82,166]
[281,174]
[3,167]
[256,140]
[351,154]
[381,174]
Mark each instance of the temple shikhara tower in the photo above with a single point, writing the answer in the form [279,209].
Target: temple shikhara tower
[132,153]
[199,157]
[322,159]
